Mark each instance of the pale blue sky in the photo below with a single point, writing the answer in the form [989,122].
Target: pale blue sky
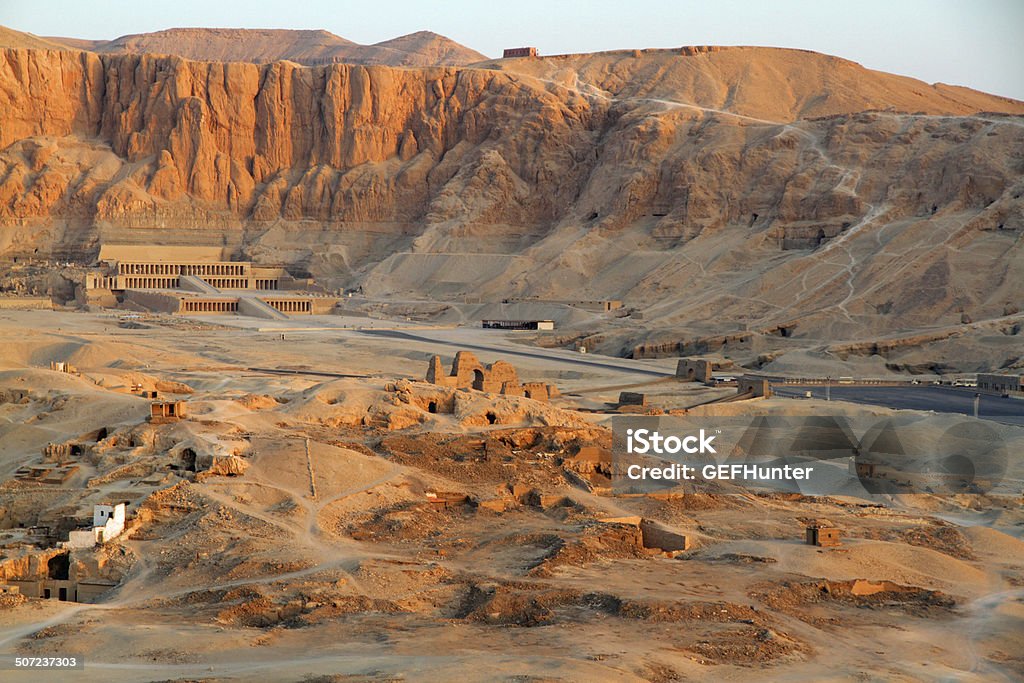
[977,43]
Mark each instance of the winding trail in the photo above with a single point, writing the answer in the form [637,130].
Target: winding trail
[137,589]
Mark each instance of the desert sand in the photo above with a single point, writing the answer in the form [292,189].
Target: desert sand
[306,546]
[323,513]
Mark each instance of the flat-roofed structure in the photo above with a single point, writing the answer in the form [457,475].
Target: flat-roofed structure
[149,274]
[196,305]
[513,52]
[1002,384]
[197,280]
[518,324]
[822,535]
[291,305]
[166,411]
[189,303]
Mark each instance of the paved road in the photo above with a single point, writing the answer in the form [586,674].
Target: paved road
[939,399]
[316,373]
[613,364]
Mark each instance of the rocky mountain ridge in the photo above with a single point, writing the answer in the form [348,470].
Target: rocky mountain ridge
[261,46]
[423,48]
[709,187]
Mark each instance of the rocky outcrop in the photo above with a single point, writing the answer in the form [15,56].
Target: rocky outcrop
[133,138]
[227,466]
[633,176]
[127,137]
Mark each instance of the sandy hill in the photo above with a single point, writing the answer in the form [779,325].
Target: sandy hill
[231,45]
[269,45]
[11,38]
[74,43]
[772,83]
[423,48]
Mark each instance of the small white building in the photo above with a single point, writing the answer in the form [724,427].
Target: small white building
[107,523]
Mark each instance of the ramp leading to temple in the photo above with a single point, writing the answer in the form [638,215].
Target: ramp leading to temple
[196,284]
[258,308]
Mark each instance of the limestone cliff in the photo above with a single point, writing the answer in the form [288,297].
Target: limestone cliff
[769,185]
[260,142]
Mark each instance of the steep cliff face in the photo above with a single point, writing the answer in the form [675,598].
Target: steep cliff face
[259,142]
[744,185]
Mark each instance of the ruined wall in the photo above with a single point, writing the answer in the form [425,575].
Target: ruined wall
[28,566]
[656,537]
[757,386]
[152,301]
[500,377]
[694,370]
[538,391]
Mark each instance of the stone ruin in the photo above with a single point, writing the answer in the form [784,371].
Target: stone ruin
[57,452]
[757,387]
[591,468]
[511,496]
[632,398]
[652,537]
[823,535]
[701,369]
[161,412]
[65,574]
[448,499]
[63,366]
[499,377]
